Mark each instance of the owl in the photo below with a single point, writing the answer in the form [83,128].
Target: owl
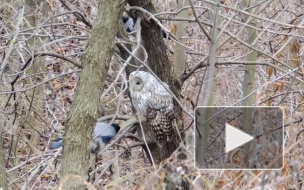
[152,100]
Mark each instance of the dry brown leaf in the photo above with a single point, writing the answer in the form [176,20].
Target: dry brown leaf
[173,28]
[234,123]
[285,39]
[269,71]
[137,186]
[52,3]
[286,168]
[74,21]
[46,176]
[190,13]
[281,86]
[220,183]
[60,50]
[294,50]
[279,56]
[268,103]
[56,86]
[294,47]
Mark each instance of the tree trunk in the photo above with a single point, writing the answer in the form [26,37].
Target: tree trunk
[202,117]
[248,83]
[4,123]
[35,95]
[181,32]
[3,179]
[84,112]
[159,63]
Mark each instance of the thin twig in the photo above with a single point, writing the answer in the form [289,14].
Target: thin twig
[198,22]
[36,85]
[45,54]
[12,42]
[77,14]
[112,161]
[255,16]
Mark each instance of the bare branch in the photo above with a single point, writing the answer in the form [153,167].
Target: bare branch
[77,14]
[12,42]
[198,22]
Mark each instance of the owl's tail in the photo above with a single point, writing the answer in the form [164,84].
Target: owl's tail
[168,147]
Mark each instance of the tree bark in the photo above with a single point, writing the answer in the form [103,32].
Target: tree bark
[35,95]
[160,65]
[181,32]
[248,83]
[202,118]
[3,179]
[3,122]
[84,112]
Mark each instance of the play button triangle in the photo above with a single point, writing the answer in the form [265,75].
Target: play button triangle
[235,137]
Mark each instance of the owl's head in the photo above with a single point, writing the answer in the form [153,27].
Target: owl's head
[136,84]
[138,79]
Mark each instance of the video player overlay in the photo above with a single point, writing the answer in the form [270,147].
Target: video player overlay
[239,138]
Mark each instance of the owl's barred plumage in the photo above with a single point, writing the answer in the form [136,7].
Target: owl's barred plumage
[151,99]
[161,123]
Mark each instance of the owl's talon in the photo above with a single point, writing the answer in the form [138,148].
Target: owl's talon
[137,116]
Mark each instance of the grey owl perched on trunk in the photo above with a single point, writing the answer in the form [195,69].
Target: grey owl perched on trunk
[152,100]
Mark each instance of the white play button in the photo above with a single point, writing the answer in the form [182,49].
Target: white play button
[235,137]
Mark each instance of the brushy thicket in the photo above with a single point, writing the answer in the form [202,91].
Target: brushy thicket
[43,47]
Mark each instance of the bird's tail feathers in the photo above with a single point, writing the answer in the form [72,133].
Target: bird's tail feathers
[96,145]
[55,145]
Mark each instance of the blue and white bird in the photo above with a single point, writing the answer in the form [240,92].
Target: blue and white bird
[102,134]
[128,23]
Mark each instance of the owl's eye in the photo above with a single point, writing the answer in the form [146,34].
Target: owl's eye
[138,83]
